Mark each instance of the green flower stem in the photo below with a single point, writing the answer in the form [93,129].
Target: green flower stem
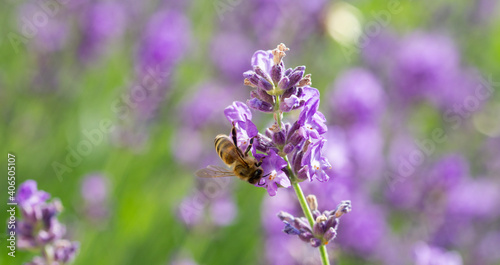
[303,203]
[310,219]
[298,191]
[324,255]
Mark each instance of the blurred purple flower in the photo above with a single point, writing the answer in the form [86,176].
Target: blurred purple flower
[377,53]
[366,146]
[52,36]
[65,251]
[431,255]
[94,190]
[197,114]
[165,40]
[223,211]
[358,97]
[423,65]
[448,172]
[29,194]
[38,227]
[230,52]
[365,228]
[100,23]
[475,198]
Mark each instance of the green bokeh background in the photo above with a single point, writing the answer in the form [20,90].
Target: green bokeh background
[146,187]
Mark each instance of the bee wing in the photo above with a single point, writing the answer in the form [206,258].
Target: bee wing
[214,172]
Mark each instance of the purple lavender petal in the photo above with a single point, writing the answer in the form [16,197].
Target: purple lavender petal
[263,60]
[238,111]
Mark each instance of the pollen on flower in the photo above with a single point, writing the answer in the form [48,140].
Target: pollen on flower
[272,176]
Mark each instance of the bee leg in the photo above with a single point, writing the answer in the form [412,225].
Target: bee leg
[249,146]
[233,132]
[260,162]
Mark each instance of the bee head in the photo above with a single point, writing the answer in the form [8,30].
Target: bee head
[255,178]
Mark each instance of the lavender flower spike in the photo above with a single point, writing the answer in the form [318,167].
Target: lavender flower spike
[324,229]
[278,88]
[39,229]
[288,152]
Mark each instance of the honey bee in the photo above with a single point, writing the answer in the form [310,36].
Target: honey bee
[240,163]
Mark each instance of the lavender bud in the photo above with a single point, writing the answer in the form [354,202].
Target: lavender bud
[248,74]
[295,77]
[306,81]
[260,105]
[279,138]
[262,74]
[297,137]
[297,161]
[332,222]
[288,148]
[287,126]
[64,250]
[279,53]
[343,208]
[303,173]
[254,79]
[283,83]
[284,216]
[265,85]
[300,68]
[289,92]
[315,242]
[269,133]
[247,82]
[292,129]
[265,97]
[319,229]
[262,143]
[288,71]
[316,214]
[330,234]
[277,72]
[313,202]
[289,229]
[301,224]
[306,236]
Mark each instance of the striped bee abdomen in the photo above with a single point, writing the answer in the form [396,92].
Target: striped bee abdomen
[226,149]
